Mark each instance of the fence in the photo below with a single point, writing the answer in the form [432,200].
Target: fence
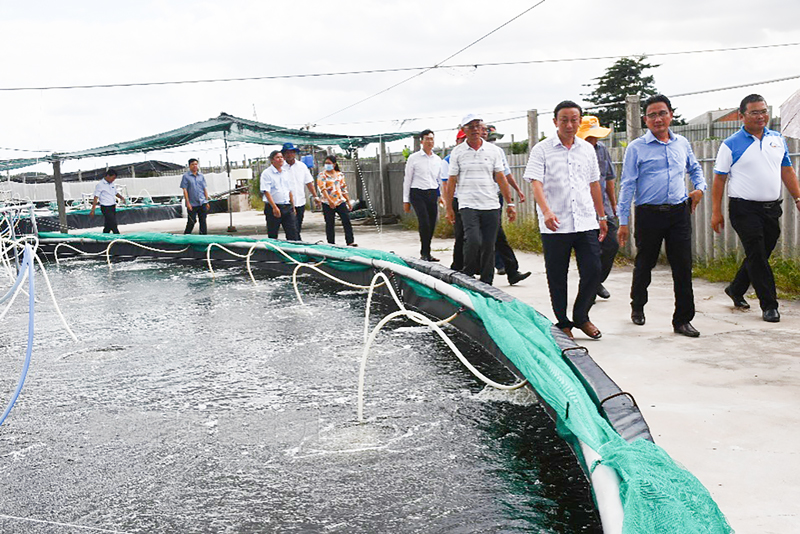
[706,244]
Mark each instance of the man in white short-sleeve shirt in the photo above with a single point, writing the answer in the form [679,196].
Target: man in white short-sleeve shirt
[475,167]
[301,181]
[754,161]
[565,177]
[105,192]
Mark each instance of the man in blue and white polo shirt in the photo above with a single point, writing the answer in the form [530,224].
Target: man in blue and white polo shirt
[754,161]
[475,167]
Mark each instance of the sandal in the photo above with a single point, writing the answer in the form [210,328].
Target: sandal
[590,330]
[568,332]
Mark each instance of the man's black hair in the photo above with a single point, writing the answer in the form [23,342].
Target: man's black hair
[655,99]
[750,99]
[111,172]
[423,133]
[273,154]
[566,104]
[193,160]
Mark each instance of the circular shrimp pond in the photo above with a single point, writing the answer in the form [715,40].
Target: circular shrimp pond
[194,404]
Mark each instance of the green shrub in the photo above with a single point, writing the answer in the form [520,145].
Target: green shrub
[786,272]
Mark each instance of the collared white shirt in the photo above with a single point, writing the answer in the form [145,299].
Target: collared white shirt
[422,172]
[475,169]
[300,177]
[754,164]
[565,174]
[277,183]
[106,193]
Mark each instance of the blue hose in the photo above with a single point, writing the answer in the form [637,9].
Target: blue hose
[27,263]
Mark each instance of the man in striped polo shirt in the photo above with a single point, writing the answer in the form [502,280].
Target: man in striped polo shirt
[475,167]
[756,159]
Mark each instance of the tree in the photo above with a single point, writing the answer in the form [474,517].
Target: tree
[621,79]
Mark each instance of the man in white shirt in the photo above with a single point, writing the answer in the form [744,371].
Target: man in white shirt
[475,167]
[276,191]
[565,177]
[421,190]
[754,161]
[106,193]
[301,180]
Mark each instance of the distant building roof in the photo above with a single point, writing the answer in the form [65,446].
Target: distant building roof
[141,169]
[720,115]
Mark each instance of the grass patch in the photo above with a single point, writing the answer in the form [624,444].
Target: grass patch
[785,270]
[443,230]
[524,234]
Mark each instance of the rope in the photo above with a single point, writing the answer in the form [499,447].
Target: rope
[378,223]
[420,319]
[122,240]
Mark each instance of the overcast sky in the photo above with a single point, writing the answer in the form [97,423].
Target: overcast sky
[84,42]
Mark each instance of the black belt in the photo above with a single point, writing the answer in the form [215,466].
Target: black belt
[766,205]
[662,207]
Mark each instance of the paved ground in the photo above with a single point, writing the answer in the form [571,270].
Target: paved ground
[724,405]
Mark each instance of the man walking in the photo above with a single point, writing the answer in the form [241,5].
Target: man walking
[421,190]
[566,187]
[276,191]
[106,193]
[503,253]
[653,175]
[195,194]
[301,181]
[592,132]
[754,161]
[475,167]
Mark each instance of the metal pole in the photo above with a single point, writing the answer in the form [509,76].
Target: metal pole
[231,227]
[62,208]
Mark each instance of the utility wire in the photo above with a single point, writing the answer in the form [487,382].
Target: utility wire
[473,43]
[384,71]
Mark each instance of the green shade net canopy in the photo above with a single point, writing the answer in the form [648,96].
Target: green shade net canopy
[225,126]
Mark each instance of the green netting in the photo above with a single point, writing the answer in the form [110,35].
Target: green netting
[225,126]
[658,495]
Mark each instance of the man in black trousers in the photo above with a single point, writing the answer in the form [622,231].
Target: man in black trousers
[754,161]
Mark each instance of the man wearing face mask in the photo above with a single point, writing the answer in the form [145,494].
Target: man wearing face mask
[276,189]
[421,190]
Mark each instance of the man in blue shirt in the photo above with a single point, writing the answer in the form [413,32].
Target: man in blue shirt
[754,161]
[654,176]
[276,192]
[195,194]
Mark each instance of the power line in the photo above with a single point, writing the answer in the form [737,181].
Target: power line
[434,66]
[389,70]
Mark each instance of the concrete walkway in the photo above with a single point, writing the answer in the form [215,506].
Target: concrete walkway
[725,405]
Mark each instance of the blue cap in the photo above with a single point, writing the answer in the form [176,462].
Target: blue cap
[289,146]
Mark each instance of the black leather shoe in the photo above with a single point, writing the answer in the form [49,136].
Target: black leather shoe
[603,293]
[513,278]
[772,316]
[429,258]
[637,317]
[686,329]
[738,302]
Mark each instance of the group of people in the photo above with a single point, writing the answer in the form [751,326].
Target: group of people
[283,190]
[573,183]
[473,206]
[577,214]
[572,179]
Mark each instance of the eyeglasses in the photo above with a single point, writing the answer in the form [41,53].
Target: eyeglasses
[757,112]
[652,116]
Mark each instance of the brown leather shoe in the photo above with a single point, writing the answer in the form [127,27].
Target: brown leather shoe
[590,330]
[568,332]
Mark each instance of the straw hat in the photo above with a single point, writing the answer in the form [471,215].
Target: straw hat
[590,127]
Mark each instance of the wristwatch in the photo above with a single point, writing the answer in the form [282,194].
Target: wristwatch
[603,218]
